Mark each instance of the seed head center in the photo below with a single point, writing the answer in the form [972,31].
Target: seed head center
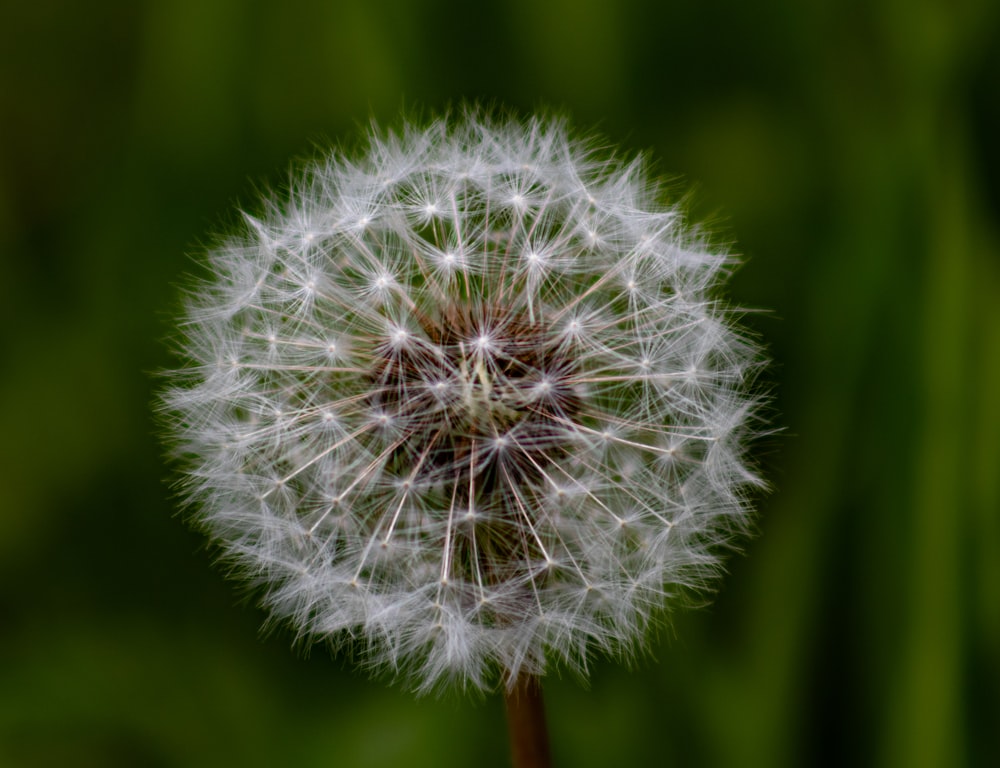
[481,400]
[487,408]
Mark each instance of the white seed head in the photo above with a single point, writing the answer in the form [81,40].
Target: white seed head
[467,401]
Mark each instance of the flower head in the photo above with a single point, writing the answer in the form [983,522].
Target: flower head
[467,402]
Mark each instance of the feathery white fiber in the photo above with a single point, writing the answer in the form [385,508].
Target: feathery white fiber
[467,402]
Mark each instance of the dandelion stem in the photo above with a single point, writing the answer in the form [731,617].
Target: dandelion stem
[529,735]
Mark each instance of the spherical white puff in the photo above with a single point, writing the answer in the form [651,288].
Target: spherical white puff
[467,400]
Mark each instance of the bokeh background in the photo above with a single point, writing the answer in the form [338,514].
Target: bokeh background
[850,149]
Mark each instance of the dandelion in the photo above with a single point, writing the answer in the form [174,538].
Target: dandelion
[467,403]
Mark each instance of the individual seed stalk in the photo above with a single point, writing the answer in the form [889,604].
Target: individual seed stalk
[467,403]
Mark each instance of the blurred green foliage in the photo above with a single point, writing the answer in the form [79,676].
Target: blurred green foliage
[849,148]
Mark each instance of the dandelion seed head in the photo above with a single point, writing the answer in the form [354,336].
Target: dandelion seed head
[468,401]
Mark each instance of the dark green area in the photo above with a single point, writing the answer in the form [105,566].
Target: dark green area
[849,148]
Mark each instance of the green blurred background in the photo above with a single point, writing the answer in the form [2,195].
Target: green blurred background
[851,151]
